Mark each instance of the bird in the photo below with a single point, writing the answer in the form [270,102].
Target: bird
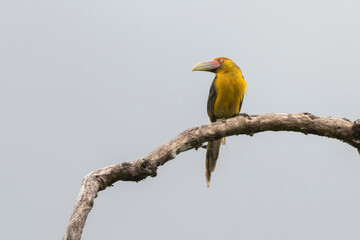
[225,99]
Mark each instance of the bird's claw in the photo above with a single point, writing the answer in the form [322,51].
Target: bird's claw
[244,115]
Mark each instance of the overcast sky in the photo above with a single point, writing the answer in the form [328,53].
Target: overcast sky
[87,84]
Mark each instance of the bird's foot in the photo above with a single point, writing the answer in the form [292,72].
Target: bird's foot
[221,120]
[244,115]
[201,146]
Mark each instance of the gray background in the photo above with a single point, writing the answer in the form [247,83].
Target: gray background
[87,84]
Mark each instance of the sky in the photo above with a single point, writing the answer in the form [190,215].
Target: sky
[88,84]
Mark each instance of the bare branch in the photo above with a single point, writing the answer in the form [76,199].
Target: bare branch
[341,129]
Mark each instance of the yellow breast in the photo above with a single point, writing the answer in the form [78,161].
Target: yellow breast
[230,90]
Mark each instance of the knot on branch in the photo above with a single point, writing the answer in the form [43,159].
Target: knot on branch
[149,168]
[137,171]
[102,183]
[356,129]
[310,115]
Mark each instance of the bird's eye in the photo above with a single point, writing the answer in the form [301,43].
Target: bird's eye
[221,60]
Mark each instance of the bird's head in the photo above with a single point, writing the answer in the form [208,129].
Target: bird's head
[219,64]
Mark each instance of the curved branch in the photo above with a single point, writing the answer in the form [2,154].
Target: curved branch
[341,129]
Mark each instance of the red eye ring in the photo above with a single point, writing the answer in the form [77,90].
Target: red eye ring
[221,60]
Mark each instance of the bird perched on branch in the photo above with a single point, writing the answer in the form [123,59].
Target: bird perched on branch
[225,99]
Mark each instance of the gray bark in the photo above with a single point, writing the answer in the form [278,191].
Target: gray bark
[341,129]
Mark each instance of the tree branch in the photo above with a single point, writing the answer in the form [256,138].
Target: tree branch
[341,129]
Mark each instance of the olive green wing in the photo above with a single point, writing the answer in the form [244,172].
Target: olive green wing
[211,101]
[241,102]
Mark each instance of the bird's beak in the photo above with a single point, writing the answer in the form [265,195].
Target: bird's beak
[206,66]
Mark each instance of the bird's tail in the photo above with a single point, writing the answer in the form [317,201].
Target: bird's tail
[212,154]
